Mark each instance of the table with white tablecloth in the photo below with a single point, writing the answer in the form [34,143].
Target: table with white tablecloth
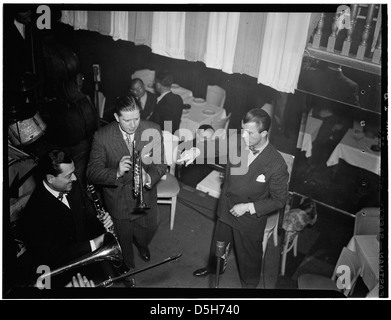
[356,151]
[200,113]
[367,249]
[308,132]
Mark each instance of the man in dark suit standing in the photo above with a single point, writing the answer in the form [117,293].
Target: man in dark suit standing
[146,99]
[111,166]
[59,222]
[247,198]
[169,105]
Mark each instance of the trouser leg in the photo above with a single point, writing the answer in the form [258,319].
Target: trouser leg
[144,229]
[124,231]
[248,252]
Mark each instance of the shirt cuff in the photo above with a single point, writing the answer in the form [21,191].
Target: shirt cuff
[251,208]
[92,244]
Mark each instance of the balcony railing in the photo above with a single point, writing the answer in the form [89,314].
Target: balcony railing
[358,47]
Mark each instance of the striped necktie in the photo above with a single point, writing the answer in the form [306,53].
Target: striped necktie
[129,143]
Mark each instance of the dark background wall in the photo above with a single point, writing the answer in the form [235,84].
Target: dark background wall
[119,59]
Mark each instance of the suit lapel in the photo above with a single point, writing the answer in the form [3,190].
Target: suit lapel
[257,167]
[119,139]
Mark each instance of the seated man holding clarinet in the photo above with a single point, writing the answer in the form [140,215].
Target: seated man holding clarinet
[59,223]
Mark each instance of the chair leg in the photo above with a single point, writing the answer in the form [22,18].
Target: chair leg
[275,235]
[295,245]
[173,208]
[265,240]
[284,253]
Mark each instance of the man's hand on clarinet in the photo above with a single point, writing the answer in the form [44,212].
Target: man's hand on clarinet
[107,222]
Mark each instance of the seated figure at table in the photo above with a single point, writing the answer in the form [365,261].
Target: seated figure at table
[334,126]
[189,171]
[169,105]
[146,99]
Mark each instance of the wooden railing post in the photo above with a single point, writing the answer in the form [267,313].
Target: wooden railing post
[333,35]
[319,31]
[363,45]
[377,53]
[348,41]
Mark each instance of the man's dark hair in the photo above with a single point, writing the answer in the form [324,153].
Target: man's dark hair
[260,117]
[134,81]
[126,103]
[50,162]
[165,78]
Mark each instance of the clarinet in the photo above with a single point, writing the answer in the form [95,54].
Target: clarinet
[99,207]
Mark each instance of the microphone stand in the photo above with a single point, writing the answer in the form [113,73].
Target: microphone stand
[220,247]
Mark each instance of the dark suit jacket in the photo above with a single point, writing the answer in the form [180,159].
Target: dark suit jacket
[267,196]
[108,148]
[168,109]
[149,107]
[56,234]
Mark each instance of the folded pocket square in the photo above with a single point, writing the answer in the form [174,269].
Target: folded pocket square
[261,178]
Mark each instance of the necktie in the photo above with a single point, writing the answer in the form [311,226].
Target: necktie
[61,195]
[129,143]
[253,150]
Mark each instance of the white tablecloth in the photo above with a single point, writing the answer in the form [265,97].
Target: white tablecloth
[308,133]
[211,184]
[198,114]
[356,152]
[367,249]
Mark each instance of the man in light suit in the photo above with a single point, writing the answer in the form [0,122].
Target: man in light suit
[169,105]
[146,99]
[247,198]
[111,166]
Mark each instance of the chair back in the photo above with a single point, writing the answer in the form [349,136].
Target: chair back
[215,95]
[367,221]
[289,160]
[221,127]
[348,264]
[146,75]
[170,142]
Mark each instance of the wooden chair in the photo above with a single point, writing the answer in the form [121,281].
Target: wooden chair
[272,220]
[215,95]
[291,238]
[348,265]
[221,127]
[168,187]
